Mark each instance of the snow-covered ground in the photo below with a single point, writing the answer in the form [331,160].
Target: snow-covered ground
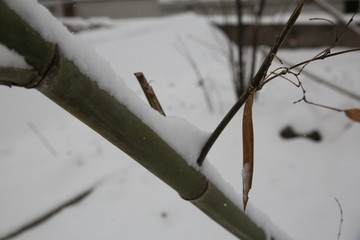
[295,183]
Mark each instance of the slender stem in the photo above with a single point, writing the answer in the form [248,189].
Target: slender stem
[256,36]
[187,54]
[320,80]
[285,70]
[43,140]
[323,106]
[224,122]
[341,218]
[322,57]
[254,85]
[240,30]
[328,8]
[41,219]
[281,38]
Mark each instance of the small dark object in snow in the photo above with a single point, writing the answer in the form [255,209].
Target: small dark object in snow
[289,133]
[164,214]
[314,135]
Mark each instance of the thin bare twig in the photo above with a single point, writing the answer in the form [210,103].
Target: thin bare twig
[317,104]
[254,85]
[42,139]
[334,87]
[46,216]
[337,15]
[327,51]
[341,218]
[216,48]
[324,56]
[304,99]
[300,85]
[186,53]
[149,93]
[285,70]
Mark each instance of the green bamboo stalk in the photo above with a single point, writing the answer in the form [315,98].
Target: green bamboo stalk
[66,85]
[17,76]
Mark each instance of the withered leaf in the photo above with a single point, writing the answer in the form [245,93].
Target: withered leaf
[248,149]
[353,114]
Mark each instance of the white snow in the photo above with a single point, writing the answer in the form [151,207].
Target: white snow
[10,58]
[294,183]
[77,24]
[88,23]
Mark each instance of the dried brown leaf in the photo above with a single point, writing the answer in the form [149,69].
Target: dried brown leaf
[353,114]
[248,149]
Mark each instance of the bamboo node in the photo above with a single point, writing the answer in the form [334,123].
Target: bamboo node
[201,195]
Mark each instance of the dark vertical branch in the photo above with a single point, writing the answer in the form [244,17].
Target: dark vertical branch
[240,84]
[230,48]
[258,15]
[254,84]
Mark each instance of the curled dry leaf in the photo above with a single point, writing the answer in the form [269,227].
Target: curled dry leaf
[248,149]
[353,114]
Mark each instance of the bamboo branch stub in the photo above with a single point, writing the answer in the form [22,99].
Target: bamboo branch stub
[149,93]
